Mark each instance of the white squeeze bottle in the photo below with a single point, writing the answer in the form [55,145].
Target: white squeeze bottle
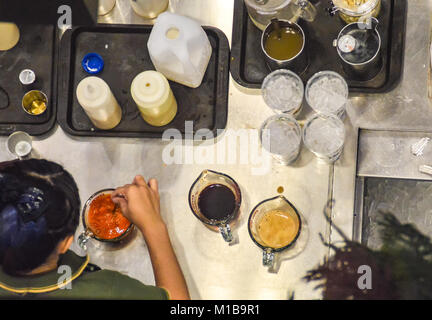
[179,49]
[154,97]
[100,105]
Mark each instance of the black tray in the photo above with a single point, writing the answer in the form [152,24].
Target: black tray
[124,49]
[248,67]
[36,50]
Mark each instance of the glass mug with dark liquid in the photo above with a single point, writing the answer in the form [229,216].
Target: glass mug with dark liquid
[215,199]
[274,225]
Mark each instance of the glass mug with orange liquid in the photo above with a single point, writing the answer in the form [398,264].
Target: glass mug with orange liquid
[274,225]
[215,199]
[103,220]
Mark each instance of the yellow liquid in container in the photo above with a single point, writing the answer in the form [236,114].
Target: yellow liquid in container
[154,98]
[284,46]
[37,107]
[277,229]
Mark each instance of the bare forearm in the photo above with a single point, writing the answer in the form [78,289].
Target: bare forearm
[167,271]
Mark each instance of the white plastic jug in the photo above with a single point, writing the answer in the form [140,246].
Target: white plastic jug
[179,49]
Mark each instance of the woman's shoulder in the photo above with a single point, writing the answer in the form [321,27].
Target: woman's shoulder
[109,284]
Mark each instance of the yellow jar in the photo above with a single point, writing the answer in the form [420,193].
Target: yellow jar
[154,98]
[357,10]
[9,35]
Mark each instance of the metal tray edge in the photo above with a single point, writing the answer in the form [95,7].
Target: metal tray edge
[64,94]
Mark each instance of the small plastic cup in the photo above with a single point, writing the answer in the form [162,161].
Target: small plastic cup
[327,93]
[280,135]
[324,136]
[19,144]
[283,91]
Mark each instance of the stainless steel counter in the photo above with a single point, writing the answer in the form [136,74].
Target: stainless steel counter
[213,269]
[405,109]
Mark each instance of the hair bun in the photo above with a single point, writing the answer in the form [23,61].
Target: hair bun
[31,204]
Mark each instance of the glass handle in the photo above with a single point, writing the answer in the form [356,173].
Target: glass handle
[268,257]
[308,10]
[84,238]
[226,233]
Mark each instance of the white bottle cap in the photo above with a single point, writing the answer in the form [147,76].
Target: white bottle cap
[27,77]
[150,88]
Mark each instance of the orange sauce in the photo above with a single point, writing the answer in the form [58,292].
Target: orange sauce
[106,220]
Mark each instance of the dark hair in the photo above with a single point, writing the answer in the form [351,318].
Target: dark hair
[39,207]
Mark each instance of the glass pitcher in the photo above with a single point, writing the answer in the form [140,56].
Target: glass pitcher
[88,234]
[262,11]
[209,178]
[274,226]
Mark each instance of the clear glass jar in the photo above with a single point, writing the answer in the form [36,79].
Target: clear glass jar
[351,12]
[327,93]
[283,91]
[262,12]
[280,135]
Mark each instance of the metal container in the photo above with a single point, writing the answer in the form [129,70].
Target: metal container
[298,63]
[359,48]
[35,103]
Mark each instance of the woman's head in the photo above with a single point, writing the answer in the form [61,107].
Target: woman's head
[39,208]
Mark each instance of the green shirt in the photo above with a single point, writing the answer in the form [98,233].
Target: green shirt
[82,284]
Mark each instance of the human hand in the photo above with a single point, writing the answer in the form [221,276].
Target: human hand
[140,203]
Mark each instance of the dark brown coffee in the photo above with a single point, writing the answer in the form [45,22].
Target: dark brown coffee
[217,202]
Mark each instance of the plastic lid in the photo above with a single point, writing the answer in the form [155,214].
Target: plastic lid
[351,6]
[150,87]
[92,63]
[27,77]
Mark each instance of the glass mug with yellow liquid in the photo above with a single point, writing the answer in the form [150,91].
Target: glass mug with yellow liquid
[274,225]
[215,199]
[262,12]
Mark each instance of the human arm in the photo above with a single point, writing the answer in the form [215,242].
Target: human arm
[140,203]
